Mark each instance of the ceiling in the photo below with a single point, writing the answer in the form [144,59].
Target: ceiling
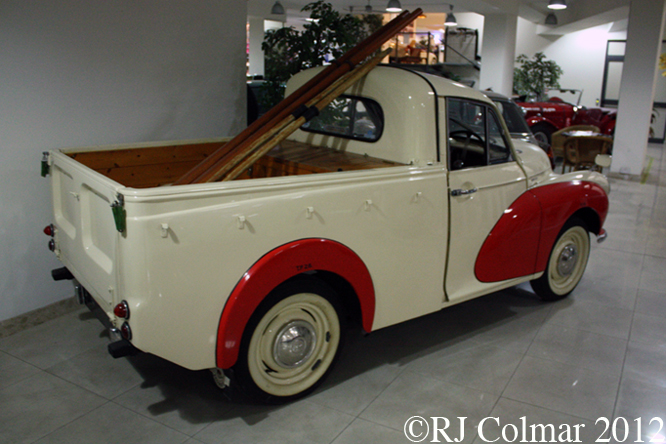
[580,14]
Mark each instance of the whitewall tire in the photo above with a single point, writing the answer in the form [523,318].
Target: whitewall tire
[566,263]
[291,342]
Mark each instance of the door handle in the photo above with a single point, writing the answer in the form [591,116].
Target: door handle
[460,192]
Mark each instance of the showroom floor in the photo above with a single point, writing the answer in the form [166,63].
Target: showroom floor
[596,356]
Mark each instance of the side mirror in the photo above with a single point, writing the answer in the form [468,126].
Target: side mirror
[603,160]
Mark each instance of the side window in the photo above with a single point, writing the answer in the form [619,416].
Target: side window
[475,135]
[498,150]
[349,117]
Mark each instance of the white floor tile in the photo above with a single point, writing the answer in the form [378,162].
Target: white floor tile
[101,427]
[40,405]
[412,394]
[302,422]
[563,388]
[604,354]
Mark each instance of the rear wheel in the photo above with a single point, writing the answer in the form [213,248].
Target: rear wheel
[291,342]
[566,264]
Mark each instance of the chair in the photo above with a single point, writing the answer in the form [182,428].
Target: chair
[558,138]
[580,151]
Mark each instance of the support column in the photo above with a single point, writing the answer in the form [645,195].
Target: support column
[498,52]
[644,34]
[256,67]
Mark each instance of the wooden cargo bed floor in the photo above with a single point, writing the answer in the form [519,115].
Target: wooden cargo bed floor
[157,166]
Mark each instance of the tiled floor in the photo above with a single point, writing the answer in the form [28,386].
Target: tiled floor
[601,353]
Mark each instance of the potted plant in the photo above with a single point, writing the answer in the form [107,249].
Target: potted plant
[327,35]
[535,75]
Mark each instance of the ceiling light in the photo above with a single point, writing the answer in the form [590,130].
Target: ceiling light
[557,4]
[277,9]
[368,8]
[551,19]
[450,19]
[394,6]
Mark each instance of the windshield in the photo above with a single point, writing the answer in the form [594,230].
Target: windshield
[571,96]
[513,116]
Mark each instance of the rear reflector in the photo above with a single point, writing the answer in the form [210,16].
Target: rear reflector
[126,331]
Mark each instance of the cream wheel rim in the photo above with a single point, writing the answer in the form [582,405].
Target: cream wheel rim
[568,260]
[294,344]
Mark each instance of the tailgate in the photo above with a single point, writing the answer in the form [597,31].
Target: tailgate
[86,235]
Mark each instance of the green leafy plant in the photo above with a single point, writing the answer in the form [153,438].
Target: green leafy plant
[535,75]
[328,35]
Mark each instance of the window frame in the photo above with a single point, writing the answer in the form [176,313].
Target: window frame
[488,109]
[352,120]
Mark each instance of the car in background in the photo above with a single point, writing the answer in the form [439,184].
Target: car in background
[515,121]
[544,118]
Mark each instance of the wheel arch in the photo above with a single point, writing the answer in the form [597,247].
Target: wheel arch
[535,120]
[590,217]
[332,262]
[560,202]
[533,221]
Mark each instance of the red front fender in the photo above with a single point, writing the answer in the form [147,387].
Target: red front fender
[531,121]
[521,241]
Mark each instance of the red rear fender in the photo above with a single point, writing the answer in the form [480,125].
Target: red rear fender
[275,268]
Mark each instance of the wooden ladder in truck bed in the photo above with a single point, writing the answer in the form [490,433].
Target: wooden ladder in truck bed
[241,152]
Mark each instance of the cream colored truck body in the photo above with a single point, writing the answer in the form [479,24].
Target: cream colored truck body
[186,248]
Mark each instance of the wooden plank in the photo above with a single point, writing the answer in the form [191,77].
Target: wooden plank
[133,167]
[323,159]
[146,176]
[209,169]
[250,152]
[146,156]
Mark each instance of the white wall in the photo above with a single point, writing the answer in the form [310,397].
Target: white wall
[473,21]
[581,55]
[79,73]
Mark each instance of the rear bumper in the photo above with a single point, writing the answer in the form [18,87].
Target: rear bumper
[119,347]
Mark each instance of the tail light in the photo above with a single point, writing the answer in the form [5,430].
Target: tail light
[49,230]
[122,310]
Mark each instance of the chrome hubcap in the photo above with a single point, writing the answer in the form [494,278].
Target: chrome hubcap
[294,344]
[567,260]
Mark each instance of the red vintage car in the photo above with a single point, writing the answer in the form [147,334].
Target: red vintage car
[544,118]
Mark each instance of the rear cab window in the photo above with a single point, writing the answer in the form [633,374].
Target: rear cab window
[349,117]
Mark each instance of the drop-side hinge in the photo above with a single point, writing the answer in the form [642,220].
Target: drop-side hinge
[46,169]
[119,213]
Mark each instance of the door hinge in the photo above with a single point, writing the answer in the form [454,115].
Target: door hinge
[119,213]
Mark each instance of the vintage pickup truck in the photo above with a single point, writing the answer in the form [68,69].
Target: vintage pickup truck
[404,197]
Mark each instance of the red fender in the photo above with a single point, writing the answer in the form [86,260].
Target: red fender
[511,248]
[559,201]
[533,120]
[520,242]
[276,267]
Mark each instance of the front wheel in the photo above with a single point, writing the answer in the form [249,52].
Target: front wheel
[566,264]
[291,342]
[542,132]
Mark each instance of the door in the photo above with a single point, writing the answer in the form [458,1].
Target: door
[484,180]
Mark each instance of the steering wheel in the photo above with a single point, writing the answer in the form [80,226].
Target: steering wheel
[468,136]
